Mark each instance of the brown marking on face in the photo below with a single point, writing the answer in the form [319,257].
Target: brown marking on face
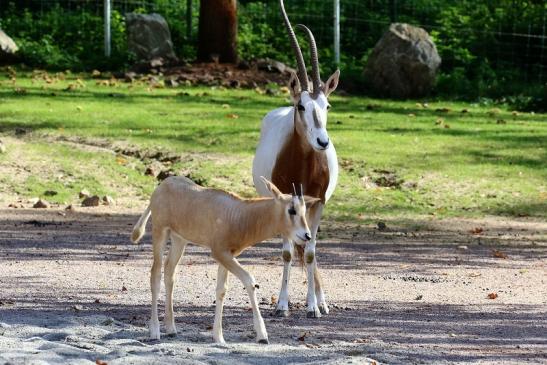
[316,119]
[299,163]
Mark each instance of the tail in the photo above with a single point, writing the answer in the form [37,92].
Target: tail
[138,230]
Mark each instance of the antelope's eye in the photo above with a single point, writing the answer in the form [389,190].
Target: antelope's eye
[301,108]
[328,107]
[292,211]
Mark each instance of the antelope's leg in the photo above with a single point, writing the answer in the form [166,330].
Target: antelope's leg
[314,216]
[282,309]
[159,236]
[222,285]
[319,294]
[248,281]
[173,257]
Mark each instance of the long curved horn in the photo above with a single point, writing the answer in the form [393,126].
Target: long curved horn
[302,75]
[314,59]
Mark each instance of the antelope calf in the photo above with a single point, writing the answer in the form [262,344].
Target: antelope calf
[224,223]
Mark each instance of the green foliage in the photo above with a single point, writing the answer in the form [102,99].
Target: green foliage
[483,44]
[59,39]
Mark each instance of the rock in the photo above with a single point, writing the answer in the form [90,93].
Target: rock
[91,201]
[171,83]
[2,147]
[50,193]
[130,76]
[381,226]
[8,48]
[462,247]
[107,200]
[84,193]
[41,204]
[70,208]
[267,64]
[404,62]
[148,37]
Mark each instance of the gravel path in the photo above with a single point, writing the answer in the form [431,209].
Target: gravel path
[74,291]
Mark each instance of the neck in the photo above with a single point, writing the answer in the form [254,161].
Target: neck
[260,219]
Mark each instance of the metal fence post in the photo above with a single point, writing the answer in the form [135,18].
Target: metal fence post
[337,32]
[107,35]
[188,19]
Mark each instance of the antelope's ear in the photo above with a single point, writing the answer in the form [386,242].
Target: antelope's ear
[332,83]
[311,201]
[274,191]
[294,87]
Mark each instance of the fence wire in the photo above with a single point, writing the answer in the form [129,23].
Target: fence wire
[518,43]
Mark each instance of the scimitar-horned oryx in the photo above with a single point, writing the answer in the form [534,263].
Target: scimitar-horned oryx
[295,147]
[224,223]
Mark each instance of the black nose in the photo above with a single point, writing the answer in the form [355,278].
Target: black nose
[307,237]
[323,144]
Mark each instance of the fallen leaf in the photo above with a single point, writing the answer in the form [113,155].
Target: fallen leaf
[121,161]
[273,300]
[303,335]
[499,254]
[477,230]
[492,296]
[232,116]
[100,362]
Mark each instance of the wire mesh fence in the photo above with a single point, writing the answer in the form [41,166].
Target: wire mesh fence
[500,34]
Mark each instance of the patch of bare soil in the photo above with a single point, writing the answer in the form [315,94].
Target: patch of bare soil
[74,290]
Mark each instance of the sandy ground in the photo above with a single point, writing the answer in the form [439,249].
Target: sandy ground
[74,291]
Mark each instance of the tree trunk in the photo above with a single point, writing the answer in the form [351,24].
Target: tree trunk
[217,31]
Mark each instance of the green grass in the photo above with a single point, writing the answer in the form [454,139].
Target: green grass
[483,162]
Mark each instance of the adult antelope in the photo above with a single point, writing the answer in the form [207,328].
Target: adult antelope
[224,223]
[295,147]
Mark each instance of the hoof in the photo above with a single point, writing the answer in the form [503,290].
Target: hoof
[171,335]
[263,342]
[281,313]
[313,314]
[323,309]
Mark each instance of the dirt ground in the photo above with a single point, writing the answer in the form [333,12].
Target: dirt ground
[73,290]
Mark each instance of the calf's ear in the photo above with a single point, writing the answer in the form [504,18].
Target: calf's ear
[274,191]
[311,201]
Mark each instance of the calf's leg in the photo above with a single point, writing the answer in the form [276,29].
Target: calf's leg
[248,281]
[159,236]
[222,285]
[173,257]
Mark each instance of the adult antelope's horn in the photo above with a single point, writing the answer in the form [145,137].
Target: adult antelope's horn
[302,75]
[294,190]
[301,190]
[316,79]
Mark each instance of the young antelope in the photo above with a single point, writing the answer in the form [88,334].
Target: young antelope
[224,223]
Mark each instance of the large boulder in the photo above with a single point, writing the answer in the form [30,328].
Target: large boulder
[148,36]
[8,48]
[404,62]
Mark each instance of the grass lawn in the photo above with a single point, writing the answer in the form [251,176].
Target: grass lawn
[445,159]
